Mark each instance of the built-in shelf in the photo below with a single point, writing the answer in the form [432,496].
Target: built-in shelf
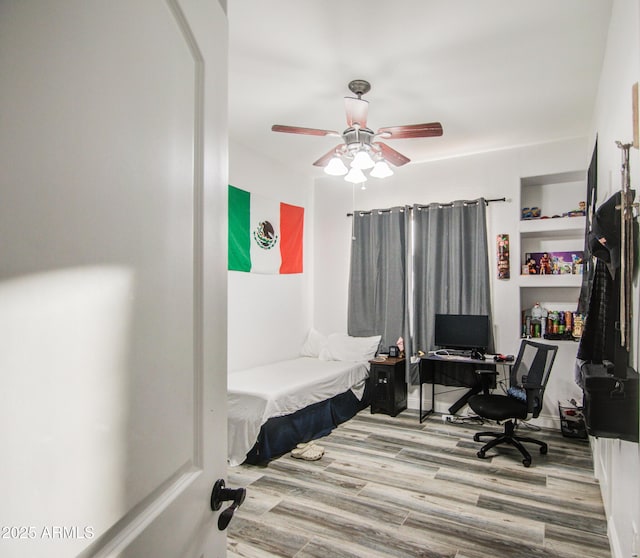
[561,227]
[554,178]
[566,280]
[553,194]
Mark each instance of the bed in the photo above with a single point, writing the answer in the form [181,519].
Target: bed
[276,406]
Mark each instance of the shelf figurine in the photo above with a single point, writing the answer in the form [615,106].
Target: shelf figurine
[581,211]
[545,264]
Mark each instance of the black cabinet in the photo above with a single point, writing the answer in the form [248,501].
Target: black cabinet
[388,386]
[610,402]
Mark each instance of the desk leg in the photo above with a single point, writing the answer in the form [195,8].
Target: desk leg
[433,402]
[482,386]
[463,400]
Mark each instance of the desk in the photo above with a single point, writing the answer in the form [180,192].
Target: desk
[456,371]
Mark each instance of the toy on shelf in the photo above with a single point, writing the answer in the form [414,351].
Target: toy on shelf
[538,322]
[553,263]
[529,213]
[580,212]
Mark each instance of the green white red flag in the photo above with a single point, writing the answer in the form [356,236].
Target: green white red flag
[265,236]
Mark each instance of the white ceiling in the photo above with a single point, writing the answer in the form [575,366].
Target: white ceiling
[495,73]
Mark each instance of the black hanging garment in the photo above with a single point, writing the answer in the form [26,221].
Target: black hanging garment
[600,336]
[610,386]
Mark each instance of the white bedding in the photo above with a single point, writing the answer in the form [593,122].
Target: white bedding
[258,394]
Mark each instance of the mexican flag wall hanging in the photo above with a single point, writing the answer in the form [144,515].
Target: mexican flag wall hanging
[265,236]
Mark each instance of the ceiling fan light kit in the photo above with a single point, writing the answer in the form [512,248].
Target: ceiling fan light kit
[381,170]
[362,160]
[360,147]
[336,167]
[355,176]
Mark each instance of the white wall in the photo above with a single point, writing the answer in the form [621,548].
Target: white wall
[618,462]
[269,315]
[491,175]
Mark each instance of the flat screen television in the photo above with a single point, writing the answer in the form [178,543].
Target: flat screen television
[462,331]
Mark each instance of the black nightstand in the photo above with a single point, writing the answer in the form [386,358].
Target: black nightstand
[388,386]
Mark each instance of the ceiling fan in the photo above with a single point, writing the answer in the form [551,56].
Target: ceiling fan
[360,146]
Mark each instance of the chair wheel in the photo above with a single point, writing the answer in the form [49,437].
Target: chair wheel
[480,454]
[543,450]
[526,462]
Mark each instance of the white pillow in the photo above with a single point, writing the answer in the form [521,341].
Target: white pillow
[314,344]
[344,347]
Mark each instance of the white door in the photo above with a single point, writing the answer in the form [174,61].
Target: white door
[113,184]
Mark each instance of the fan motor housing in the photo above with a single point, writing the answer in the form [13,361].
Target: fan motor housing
[355,137]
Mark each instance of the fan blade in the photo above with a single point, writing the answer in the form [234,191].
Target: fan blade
[391,155]
[306,131]
[357,111]
[429,130]
[324,160]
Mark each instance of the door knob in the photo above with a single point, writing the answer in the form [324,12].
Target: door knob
[221,494]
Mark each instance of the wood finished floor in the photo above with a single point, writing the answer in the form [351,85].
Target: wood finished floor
[391,487]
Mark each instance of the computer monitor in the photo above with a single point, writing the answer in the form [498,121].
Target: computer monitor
[462,331]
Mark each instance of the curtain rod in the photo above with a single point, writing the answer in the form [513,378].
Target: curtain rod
[487,202]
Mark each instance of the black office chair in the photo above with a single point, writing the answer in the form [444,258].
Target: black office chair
[523,400]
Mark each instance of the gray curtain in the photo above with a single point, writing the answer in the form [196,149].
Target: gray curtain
[377,281]
[450,265]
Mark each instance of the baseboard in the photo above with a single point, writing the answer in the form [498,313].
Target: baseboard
[614,539]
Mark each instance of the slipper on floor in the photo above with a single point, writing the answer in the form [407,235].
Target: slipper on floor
[305,445]
[301,448]
[308,453]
